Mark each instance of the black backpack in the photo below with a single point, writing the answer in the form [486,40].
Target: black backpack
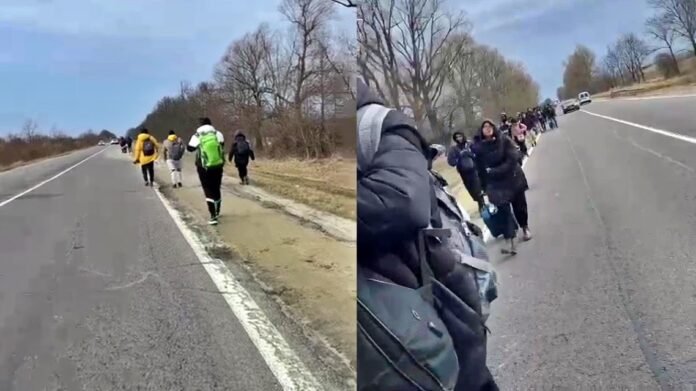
[392,344]
[243,147]
[402,342]
[148,147]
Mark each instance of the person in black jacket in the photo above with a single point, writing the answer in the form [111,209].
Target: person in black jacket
[395,202]
[241,152]
[497,159]
[505,124]
[462,158]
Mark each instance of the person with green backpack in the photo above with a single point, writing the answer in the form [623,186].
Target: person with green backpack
[208,143]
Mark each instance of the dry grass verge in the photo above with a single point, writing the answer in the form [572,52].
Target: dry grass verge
[328,185]
[456,186]
[17,151]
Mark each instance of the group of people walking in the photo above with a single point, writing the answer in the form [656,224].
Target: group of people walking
[425,283]
[208,144]
[491,170]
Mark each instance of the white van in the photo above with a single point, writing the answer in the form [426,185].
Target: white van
[584,98]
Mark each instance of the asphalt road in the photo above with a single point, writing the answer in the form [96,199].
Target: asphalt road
[604,296]
[99,290]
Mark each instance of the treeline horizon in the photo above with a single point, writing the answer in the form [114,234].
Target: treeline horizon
[31,144]
[625,61]
[435,68]
[289,89]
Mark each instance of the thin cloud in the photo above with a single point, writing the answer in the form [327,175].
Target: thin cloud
[500,14]
[156,19]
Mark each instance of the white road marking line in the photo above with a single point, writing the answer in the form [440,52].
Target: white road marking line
[29,190]
[677,136]
[651,97]
[280,358]
[653,152]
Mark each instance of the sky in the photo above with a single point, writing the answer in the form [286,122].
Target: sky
[543,33]
[103,64]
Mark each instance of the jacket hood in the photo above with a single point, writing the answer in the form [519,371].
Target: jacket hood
[239,134]
[172,137]
[365,96]
[205,129]
[455,134]
[496,131]
[143,136]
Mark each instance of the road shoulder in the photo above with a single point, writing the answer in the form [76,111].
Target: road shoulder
[303,276]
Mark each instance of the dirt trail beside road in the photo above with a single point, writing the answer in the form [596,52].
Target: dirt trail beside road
[311,270]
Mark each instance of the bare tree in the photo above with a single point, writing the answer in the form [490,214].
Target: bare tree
[611,66]
[665,65]
[425,27]
[243,69]
[345,3]
[308,18]
[633,51]
[660,28]
[30,130]
[377,59]
[577,76]
[403,54]
[681,15]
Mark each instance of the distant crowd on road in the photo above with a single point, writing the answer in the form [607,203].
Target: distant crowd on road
[208,144]
[425,283]
[490,166]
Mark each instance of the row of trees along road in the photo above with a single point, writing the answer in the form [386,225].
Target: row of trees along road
[289,89]
[670,31]
[419,55]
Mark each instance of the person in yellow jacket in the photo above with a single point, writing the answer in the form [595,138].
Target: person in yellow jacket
[145,153]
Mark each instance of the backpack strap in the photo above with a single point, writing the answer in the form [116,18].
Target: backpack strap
[477,263]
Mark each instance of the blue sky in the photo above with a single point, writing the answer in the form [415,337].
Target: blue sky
[81,64]
[543,33]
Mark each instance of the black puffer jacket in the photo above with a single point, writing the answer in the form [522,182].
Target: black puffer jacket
[395,200]
[241,150]
[497,160]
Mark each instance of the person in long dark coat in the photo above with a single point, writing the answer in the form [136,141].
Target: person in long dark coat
[497,159]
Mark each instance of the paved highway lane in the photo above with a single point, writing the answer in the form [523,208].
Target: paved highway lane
[100,291]
[604,296]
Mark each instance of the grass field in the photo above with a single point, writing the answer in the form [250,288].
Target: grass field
[330,184]
[456,186]
[656,84]
[327,184]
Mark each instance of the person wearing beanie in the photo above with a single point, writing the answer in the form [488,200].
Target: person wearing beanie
[173,150]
